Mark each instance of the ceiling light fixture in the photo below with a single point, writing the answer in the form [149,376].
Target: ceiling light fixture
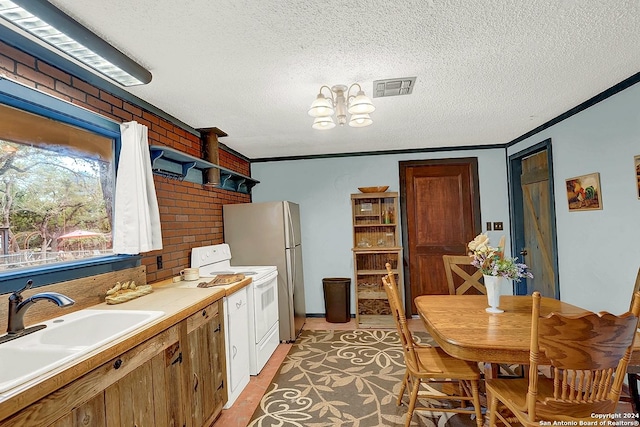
[340,102]
[49,24]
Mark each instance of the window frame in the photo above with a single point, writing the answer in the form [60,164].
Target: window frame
[33,101]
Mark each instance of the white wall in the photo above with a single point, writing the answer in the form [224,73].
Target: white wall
[598,251]
[323,187]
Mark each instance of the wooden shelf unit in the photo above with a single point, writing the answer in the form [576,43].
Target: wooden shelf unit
[376,241]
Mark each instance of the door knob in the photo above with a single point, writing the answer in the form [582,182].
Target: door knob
[523,252]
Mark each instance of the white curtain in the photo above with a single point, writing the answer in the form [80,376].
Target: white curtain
[136,216]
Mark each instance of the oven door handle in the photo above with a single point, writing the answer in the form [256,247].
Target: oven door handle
[267,281]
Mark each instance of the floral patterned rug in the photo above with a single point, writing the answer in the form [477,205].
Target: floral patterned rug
[344,378]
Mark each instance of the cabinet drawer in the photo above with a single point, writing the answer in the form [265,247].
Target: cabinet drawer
[203,316]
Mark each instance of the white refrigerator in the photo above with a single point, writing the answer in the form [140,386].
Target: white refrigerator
[268,233]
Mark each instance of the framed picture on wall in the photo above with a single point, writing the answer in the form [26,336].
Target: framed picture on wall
[583,192]
[636,162]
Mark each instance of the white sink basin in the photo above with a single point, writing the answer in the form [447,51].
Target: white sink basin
[23,364]
[94,327]
[65,339]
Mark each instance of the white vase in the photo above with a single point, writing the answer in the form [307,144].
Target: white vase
[493,284]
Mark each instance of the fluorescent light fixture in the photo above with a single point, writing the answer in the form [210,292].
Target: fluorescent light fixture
[49,24]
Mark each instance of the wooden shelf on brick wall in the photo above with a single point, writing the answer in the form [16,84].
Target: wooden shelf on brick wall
[171,163]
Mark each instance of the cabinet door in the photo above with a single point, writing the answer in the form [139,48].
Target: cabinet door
[152,394]
[169,384]
[206,355]
[129,401]
[237,329]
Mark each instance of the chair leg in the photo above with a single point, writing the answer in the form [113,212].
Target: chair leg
[475,393]
[412,400]
[493,408]
[403,387]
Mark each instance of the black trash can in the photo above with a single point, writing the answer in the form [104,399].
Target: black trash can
[337,299]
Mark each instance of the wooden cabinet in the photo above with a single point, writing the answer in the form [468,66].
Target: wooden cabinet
[207,361]
[175,378]
[376,241]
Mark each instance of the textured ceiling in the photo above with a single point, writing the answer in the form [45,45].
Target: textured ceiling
[487,71]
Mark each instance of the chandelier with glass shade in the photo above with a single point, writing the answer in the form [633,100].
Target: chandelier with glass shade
[341,102]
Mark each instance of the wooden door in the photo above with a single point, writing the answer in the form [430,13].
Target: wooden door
[538,249]
[441,214]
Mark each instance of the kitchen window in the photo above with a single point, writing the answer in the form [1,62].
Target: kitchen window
[57,164]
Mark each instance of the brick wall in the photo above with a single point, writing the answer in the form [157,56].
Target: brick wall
[191,214]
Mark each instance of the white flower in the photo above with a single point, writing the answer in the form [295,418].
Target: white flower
[480,243]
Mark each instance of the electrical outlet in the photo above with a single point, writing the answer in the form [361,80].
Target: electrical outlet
[488,225]
[159,262]
[497,226]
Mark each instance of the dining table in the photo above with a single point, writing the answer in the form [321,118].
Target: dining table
[461,327]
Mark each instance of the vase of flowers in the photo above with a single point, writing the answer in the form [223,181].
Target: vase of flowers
[496,269]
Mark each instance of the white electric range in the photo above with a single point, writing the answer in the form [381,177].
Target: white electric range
[262,299]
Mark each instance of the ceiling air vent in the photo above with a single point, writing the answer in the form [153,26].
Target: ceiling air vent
[393,87]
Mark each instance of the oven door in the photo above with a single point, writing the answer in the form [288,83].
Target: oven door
[265,304]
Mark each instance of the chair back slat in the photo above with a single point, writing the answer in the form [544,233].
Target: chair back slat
[589,355]
[462,277]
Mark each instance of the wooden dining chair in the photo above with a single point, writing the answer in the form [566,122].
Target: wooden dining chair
[431,365]
[462,277]
[589,355]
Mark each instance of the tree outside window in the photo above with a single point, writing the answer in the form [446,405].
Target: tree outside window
[56,202]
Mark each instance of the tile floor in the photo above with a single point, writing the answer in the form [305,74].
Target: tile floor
[240,413]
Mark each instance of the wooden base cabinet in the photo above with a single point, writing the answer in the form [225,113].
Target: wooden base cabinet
[207,359]
[375,242]
[175,378]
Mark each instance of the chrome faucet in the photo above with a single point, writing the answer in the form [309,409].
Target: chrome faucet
[18,307]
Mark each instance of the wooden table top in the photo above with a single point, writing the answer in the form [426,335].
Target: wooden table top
[462,327]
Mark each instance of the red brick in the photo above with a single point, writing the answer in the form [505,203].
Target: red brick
[156,128]
[53,93]
[70,91]
[8,64]
[54,72]
[17,55]
[133,110]
[107,97]
[33,75]
[124,115]
[151,117]
[85,87]
[103,106]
